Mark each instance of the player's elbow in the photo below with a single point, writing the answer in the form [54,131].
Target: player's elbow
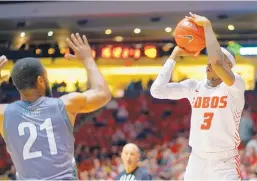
[106,93]
[104,99]
[155,91]
[107,96]
[99,100]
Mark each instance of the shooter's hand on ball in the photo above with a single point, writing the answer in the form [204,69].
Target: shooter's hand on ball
[199,20]
[220,63]
[177,52]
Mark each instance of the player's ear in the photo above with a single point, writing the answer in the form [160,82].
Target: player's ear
[40,80]
[229,64]
[227,61]
[138,157]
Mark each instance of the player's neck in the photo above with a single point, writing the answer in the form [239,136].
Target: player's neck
[214,82]
[30,95]
[130,169]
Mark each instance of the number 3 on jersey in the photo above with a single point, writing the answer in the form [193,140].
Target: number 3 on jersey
[208,116]
[47,125]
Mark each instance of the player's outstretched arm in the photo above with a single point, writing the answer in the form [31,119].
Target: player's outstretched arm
[215,55]
[99,93]
[161,87]
[3,61]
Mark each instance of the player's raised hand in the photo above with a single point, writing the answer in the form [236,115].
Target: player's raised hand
[199,20]
[182,52]
[177,52]
[80,47]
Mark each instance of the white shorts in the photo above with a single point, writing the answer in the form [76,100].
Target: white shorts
[213,166]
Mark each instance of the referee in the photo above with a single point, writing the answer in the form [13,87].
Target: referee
[130,156]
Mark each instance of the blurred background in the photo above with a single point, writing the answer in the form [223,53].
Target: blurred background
[130,42]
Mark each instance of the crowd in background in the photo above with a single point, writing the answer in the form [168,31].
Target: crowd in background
[159,127]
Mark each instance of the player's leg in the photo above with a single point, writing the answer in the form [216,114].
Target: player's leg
[195,169]
[226,169]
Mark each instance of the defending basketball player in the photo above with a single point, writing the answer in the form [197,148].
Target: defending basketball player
[38,128]
[217,103]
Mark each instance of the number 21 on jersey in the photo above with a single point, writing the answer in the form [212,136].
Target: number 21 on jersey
[47,125]
[208,117]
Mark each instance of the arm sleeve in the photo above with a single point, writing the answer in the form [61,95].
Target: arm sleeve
[162,89]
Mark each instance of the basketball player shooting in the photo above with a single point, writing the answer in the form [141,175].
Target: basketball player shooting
[217,103]
[38,129]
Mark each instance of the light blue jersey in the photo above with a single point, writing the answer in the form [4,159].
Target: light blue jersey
[39,138]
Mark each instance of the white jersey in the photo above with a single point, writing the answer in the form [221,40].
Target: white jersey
[216,111]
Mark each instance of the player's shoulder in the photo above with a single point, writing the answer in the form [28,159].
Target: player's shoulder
[52,101]
[56,102]
[10,107]
[238,77]
[143,171]
[192,83]
[8,111]
[145,174]
[239,80]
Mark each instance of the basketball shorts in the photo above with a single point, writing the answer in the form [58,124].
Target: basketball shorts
[213,166]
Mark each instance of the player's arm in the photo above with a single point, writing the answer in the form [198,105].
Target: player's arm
[3,61]
[162,89]
[99,93]
[215,55]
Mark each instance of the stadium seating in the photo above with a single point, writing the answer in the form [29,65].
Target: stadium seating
[159,127]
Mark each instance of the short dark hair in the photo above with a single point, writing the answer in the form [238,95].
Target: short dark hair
[25,73]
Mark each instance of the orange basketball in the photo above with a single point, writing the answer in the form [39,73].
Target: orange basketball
[189,36]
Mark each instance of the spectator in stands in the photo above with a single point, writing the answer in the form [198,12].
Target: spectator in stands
[112,105]
[130,131]
[118,138]
[122,114]
[156,158]
[246,127]
[130,157]
[251,146]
